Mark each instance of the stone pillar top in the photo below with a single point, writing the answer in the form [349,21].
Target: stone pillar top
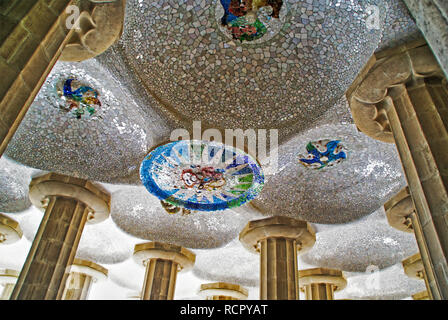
[413,266]
[10,230]
[8,276]
[324,276]
[135,295]
[223,289]
[89,268]
[385,70]
[158,250]
[100,26]
[399,210]
[54,184]
[423,295]
[278,227]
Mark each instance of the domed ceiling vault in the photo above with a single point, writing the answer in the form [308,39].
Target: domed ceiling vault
[84,123]
[186,59]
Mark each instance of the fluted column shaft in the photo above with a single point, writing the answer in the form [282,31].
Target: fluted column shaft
[319,291]
[77,286]
[418,116]
[278,269]
[160,279]
[424,253]
[43,275]
[277,239]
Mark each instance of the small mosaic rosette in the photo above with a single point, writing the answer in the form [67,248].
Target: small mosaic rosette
[251,20]
[201,175]
[323,154]
[79,99]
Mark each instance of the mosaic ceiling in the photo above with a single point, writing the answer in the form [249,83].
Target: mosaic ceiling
[180,54]
[285,67]
[85,124]
[388,284]
[356,246]
[14,181]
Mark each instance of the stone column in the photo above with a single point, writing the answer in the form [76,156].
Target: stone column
[403,98]
[431,17]
[278,239]
[223,291]
[400,212]
[162,262]
[10,231]
[82,274]
[33,35]
[413,267]
[69,203]
[8,279]
[321,283]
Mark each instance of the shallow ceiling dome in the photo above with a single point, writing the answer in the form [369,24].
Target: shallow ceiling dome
[232,263]
[185,58]
[13,256]
[106,146]
[359,245]
[140,214]
[105,243]
[127,274]
[14,186]
[354,188]
[388,284]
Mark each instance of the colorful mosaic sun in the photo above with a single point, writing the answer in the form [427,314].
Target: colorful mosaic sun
[246,20]
[81,100]
[201,175]
[323,153]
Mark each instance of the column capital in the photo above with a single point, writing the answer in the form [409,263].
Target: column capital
[89,268]
[322,275]
[10,230]
[278,227]
[165,251]
[100,26]
[8,276]
[368,97]
[399,210]
[223,289]
[413,267]
[423,295]
[53,184]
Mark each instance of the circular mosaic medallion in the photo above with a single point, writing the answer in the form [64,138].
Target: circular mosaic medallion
[201,175]
[323,153]
[250,21]
[79,99]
